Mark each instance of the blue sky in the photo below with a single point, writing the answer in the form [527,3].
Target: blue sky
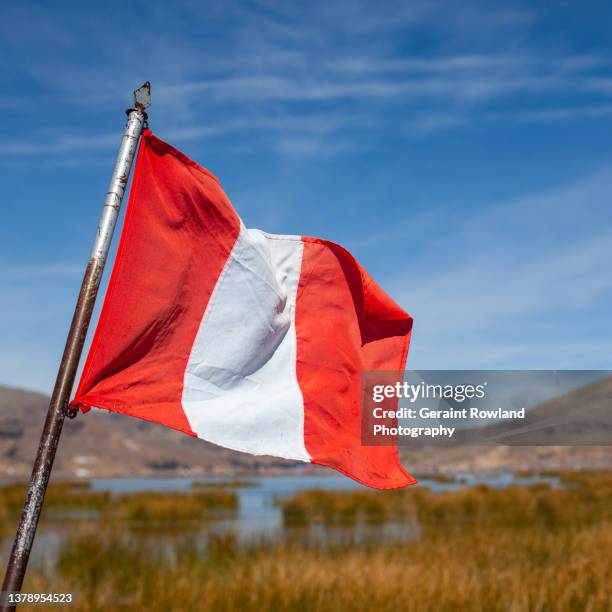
[461,150]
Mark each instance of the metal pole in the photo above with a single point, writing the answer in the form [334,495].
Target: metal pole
[49,439]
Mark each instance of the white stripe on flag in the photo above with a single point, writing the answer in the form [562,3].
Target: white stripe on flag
[240,388]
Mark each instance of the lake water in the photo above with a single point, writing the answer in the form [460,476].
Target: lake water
[257,510]
[258,515]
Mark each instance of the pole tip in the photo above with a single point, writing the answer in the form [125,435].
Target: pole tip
[142,96]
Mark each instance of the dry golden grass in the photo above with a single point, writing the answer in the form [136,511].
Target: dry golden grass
[477,570]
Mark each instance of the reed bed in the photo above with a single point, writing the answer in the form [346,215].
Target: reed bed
[60,497]
[587,499]
[488,569]
[225,484]
[440,477]
[535,549]
[142,508]
[169,508]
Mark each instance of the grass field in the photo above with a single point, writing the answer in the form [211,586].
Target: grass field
[520,548]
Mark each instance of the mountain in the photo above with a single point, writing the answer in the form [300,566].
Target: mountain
[572,431]
[581,417]
[106,445]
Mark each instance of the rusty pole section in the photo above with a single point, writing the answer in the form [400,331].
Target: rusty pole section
[43,463]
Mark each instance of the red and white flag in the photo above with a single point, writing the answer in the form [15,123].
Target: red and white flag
[249,340]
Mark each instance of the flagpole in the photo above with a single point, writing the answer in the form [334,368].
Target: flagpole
[22,545]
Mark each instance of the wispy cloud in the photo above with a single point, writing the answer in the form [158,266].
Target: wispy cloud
[517,276]
[290,134]
[60,145]
[278,60]
[29,272]
[436,92]
[453,78]
[292,126]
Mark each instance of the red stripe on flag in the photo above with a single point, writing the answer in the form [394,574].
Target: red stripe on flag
[345,324]
[160,287]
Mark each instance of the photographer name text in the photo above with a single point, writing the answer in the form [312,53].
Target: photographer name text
[420,393]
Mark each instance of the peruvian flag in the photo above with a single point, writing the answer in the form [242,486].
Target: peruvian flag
[249,340]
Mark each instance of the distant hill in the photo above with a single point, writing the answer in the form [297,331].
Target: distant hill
[583,416]
[105,445]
